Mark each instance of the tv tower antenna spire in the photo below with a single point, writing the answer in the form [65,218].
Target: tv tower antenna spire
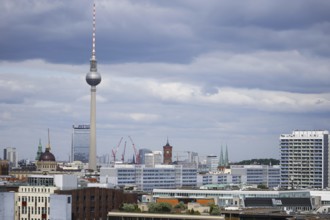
[94,31]
[93,78]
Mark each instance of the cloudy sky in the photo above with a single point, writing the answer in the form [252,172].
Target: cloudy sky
[205,74]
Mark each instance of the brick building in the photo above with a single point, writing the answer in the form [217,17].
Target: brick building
[95,203]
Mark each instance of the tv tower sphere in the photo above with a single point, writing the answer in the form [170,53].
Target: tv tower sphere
[93,78]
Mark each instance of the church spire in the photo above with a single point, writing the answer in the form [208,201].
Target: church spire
[39,152]
[221,161]
[226,157]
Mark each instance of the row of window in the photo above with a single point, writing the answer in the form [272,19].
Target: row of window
[35,189]
[33,199]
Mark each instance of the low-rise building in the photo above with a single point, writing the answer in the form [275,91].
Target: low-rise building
[268,176]
[148,178]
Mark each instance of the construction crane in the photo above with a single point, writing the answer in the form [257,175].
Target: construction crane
[136,153]
[114,151]
[123,155]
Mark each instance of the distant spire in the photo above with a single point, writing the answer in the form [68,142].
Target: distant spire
[48,147]
[226,157]
[39,152]
[167,143]
[221,161]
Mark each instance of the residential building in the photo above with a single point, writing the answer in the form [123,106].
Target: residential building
[80,143]
[268,176]
[34,202]
[304,159]
[147,178]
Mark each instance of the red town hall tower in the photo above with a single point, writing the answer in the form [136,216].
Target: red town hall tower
[167,153]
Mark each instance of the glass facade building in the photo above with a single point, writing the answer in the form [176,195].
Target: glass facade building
[80,143]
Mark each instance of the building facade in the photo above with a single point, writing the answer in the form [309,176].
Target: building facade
[234,198]
[268,176]
[95,202]
[212,162]
[142,153]
[148,178]
[304,159]
[80,143]
[34,202]
[154,158]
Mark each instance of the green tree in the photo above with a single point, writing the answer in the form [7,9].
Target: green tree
[262,186]
[160,207]
[215,210]
[180,205]
[126,207]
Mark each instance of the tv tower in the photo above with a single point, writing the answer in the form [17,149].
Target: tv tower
[93,78]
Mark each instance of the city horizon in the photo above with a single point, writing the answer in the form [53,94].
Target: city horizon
[192,72]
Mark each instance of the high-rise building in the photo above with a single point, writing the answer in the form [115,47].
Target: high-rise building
[154,158]
[9,154]
[304,159]
[93,78]
[80,143]
[212,163]
[142,153]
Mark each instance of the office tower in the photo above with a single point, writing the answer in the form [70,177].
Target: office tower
[142,153]
[80,143]
[154,158]
[93,78]
[304,159]
[212,163]
[167,152]
[9,154]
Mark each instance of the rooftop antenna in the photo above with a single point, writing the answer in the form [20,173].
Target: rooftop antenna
[94,31]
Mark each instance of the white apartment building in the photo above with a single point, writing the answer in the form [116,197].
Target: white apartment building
[243,174]
[38,200]
[36,203]
[258,174]
[147,178]
[304,159]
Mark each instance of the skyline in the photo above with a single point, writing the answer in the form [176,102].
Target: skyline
[202,74]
